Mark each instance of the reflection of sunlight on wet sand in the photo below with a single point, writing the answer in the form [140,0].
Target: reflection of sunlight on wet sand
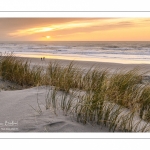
[94,59]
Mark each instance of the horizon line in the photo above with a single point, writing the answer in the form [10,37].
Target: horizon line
[78,41]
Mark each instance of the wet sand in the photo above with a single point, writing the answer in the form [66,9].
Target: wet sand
[144,68]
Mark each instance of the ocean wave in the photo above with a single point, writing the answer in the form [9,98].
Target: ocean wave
[115,50]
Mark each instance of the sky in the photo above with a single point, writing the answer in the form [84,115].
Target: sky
[74,29]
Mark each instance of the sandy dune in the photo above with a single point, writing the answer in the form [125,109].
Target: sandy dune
[17,115]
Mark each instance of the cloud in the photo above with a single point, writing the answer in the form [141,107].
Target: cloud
[93,28]
[70,25]
[76,25]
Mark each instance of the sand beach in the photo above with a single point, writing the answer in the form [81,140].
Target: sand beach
[112,67]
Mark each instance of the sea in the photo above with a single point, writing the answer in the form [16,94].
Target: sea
[135,52]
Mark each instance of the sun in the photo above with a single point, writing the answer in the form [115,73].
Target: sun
[47,36]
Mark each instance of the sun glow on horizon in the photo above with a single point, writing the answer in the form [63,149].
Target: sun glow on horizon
[48,36]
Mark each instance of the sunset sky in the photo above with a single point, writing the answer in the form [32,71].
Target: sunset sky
[74,29]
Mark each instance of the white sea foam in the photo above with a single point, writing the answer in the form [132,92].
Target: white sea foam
[120,52]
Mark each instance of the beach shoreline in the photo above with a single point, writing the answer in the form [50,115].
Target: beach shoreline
[112,67]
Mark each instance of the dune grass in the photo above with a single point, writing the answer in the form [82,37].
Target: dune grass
[144,103]
[63,77]
[20,72]
[124,88]
[100,98]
